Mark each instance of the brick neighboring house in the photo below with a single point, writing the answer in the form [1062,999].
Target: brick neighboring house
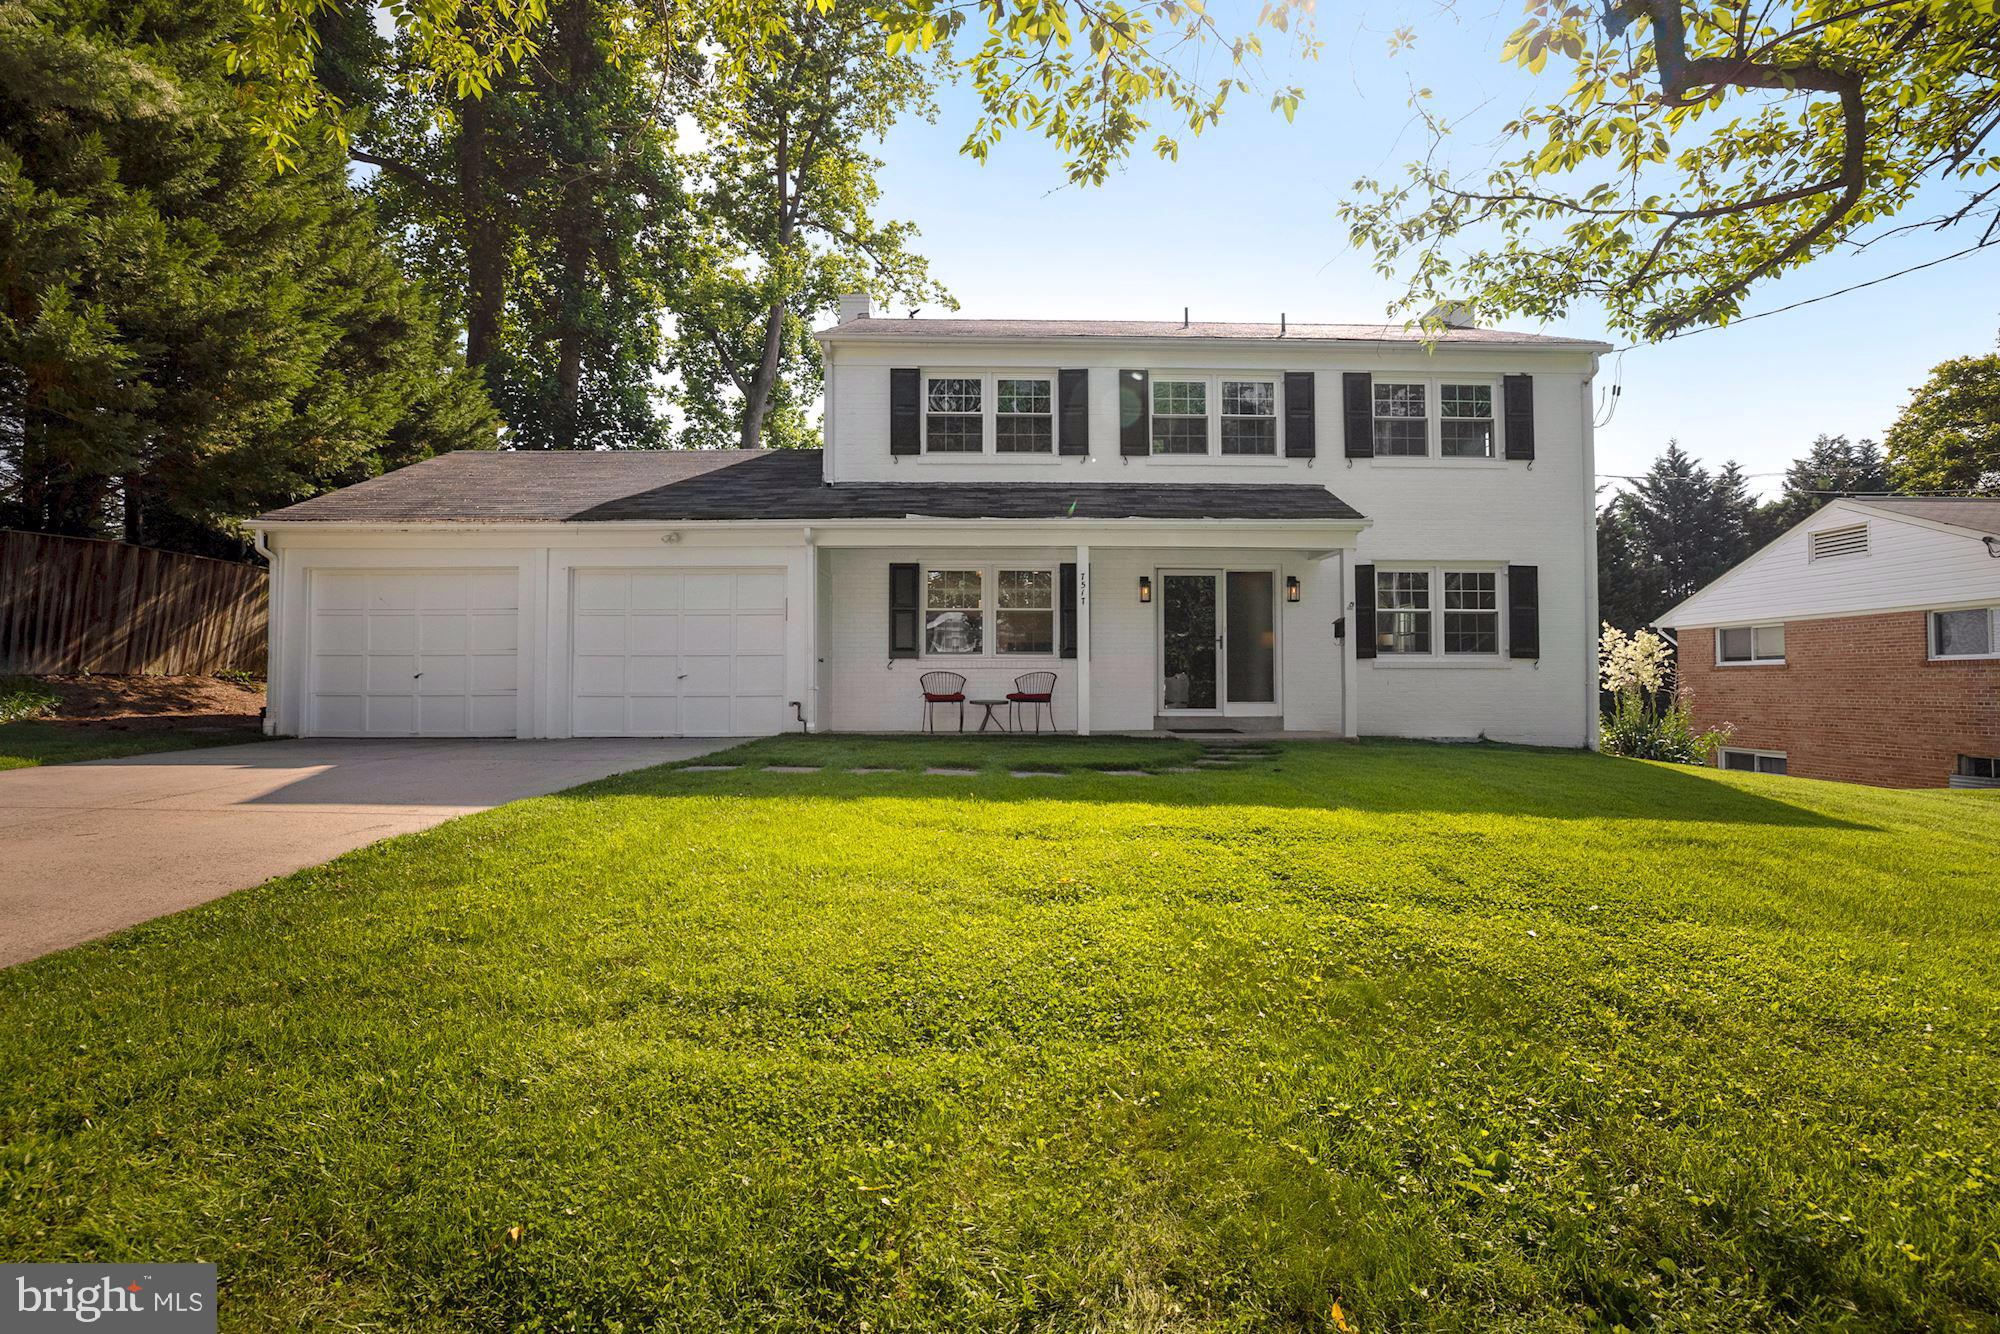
[1862,645]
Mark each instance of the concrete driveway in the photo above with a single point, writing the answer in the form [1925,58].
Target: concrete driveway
[88,849]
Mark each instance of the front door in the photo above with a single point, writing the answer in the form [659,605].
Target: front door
[1218,642]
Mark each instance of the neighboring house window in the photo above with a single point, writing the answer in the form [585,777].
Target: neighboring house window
[1750,643]
[1407,619]
[1025,621]
[1401,421]
[1026,422]
[1180,416]
[1752,761]
[1465,426]
[1979,766]
[1249,417]
[954,623]
[1830,542]
[1471,611]
[954,418]
[1972,633]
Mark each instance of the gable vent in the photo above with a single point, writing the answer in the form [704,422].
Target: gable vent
[1829,542]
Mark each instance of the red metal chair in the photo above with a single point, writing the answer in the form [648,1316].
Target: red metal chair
[1034,689]
[943,688]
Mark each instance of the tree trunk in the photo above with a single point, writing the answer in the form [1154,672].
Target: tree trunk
[485,242]
[757,398]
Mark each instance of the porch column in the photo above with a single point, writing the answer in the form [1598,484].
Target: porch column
[1083,641]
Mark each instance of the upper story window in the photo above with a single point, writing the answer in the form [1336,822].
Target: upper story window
[1025,421]
[1750,643]
[1249,417]
[954,414]
[1971,633]
[1409,414]
[1180,416]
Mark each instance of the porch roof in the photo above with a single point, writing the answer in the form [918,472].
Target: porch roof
[480,486]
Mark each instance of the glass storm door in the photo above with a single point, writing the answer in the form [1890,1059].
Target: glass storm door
[1190,647]
[1218,641]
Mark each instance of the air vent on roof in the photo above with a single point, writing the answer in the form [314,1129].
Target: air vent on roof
[1830,542]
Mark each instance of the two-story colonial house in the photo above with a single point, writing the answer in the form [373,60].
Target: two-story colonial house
[1336,529]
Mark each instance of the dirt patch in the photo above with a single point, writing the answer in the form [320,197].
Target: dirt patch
[141,703]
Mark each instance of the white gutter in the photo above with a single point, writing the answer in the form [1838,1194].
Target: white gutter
[759,525]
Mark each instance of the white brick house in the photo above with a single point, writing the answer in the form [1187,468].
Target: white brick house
[1319,528]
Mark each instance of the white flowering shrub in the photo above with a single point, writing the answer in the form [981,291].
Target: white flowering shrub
[1639,670]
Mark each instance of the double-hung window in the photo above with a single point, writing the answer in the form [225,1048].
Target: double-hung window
[1249,417]
[1180,416]
[1750,643]
[1971,633]
[1436,611]
[1751,761]
[954,414]
[1024,421]
[1457,414]
[960,602]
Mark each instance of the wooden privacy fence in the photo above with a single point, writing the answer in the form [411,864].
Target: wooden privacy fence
[75,604]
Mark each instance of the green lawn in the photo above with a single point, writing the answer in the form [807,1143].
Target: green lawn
[32,742]
[1458,1038]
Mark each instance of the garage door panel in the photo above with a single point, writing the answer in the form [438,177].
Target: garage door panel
[707,633]
[599,676]
[598,717]
[405,652]
[600,590]
[655,590]
[652,633]
[760,592]
[707,592]
[707,715]
[758,716]
[760,676]
[655,715]
[760,634]
[599,632]
[653,675]
[708,676]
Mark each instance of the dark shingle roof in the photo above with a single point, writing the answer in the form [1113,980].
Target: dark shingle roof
[556,487]
[1978,513]
[1294,331]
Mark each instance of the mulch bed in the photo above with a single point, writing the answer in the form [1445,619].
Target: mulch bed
[149,703]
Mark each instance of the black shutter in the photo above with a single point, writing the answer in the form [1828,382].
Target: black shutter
[905,421]
[904,611]
[1134,414]
[1073,411]
[1301,428]
[1524,614]
[1357,401]
[1364,611]
[1520,397]
[1066,579]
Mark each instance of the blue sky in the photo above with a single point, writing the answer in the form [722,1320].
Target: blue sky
[1242,227]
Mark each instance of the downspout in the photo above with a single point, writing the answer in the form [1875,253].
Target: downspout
[811,723]
[1589,422]
[274,605]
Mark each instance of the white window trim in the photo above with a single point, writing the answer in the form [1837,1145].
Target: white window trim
[1753,660]
[1437,657]
[1434,455]
[1755,755]
[989,611]
[1992,635]
[989,411]
[1214,379]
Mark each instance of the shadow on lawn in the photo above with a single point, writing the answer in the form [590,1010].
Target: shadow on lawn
[1376,778]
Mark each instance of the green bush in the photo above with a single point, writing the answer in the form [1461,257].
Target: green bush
[1638,732]
[25,697]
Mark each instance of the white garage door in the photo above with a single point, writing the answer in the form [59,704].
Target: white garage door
[677,653]
[413,653]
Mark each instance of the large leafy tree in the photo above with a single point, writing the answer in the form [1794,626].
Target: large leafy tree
[186,337]
[1948,438]
[787,209]
[1697,149]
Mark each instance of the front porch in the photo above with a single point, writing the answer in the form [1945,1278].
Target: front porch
[1144,632]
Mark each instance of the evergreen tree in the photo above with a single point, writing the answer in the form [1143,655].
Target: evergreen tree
[1677,528]
[1834,466]
[187,338]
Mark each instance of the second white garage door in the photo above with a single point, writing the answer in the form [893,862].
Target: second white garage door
[677,653]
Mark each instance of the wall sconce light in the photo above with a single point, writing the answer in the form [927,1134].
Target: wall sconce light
[1145,588]
[1291,588]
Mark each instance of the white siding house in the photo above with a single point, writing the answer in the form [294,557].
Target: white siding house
[1328,529]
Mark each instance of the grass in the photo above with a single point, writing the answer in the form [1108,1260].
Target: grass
[1457,1038]
[33,742]
[991,753]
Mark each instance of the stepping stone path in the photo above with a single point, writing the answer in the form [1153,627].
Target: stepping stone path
[953,773]
[1037,773]
[1126,773]
[866,770]
[791,768]
[708,768]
